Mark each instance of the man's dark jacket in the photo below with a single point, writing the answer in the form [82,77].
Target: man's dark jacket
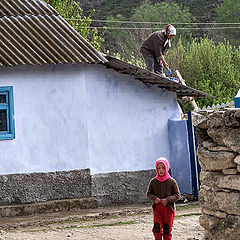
[154,45]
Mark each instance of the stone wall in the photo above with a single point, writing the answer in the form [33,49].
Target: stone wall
[41,187]
[218,135]
[107,189]
[121,187]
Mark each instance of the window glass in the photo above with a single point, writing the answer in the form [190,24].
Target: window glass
[7,125]
[3,120]
[2,98]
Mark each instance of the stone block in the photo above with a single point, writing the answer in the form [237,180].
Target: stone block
[230,171]
[40,187]
[215,161]
[237,159]
[229,182]
[226,228]
[224,136]
[121,187]
[212,146]
[220,201]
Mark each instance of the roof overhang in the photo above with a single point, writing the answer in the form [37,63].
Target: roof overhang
[148,77]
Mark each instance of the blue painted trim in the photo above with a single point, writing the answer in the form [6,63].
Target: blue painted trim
[9,106]
[192,149]
[237,102]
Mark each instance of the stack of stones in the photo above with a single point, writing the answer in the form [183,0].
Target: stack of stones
[218,134]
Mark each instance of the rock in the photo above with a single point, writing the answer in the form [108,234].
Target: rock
[216,119]
[220,201]
[209,179]
[227,228]
[199,120]
[208,222]
[229,137]
[230,171]
[212,146]
[229,182]
[202,135]
[237,159]
[217,214]
[217,134]
[237,114]
[218,154]
[215,161]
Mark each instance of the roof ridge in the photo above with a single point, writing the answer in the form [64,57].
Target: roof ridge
[22,8]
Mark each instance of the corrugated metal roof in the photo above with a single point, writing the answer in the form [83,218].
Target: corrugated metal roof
[32,32]
[148,77]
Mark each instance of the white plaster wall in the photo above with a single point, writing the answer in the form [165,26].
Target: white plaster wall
[127,122]
[79,116]
[50,120]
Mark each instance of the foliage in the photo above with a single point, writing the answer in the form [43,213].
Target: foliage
[127,42]
[71,11]
[212,68]
[116,7]
[229,12]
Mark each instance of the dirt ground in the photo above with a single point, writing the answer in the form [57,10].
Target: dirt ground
[122,223]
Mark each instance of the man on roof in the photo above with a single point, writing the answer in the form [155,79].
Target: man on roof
[155,47]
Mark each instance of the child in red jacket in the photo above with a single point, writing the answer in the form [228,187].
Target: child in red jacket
[164,192]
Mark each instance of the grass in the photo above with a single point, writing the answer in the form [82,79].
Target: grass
[77,223]
[89,226]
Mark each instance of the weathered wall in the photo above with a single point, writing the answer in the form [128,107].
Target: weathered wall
[219,157]
[107,189]
[40,187]
[70,117]
[121,188]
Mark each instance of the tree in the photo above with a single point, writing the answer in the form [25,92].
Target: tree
[127,42]
[71,11]
[229,12]
[210,67]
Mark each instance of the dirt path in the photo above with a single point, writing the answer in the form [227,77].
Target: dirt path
[124,223]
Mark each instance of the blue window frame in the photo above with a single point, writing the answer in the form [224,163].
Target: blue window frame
[7,129]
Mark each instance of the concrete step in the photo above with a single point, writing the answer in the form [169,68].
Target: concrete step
[48,207]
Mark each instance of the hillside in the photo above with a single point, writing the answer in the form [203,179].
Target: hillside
[203,10]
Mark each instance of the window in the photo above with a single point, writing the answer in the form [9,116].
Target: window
[7,130]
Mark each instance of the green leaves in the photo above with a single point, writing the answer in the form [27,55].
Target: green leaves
[127,42]
[210,67]
[71,11]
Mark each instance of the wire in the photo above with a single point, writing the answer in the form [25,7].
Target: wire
[130,22]
[150,28]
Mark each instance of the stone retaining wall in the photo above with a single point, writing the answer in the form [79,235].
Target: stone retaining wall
[218,135]
[107,189]
[41,187]
[121,187]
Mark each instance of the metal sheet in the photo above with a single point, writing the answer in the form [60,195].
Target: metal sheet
[32,32]
[148,77]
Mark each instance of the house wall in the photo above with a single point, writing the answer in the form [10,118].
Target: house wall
[84,116]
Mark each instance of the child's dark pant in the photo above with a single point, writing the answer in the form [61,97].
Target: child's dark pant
[162,222]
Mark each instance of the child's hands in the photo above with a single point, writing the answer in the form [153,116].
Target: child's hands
[157,201]
[164,201]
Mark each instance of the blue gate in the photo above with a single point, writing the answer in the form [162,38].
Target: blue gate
[195,167]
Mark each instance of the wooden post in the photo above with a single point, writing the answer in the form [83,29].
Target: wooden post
[191,99]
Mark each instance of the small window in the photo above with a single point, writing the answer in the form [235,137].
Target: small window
[7,129]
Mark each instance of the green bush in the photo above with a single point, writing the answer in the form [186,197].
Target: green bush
[209,67]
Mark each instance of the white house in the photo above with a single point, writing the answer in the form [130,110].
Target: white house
[65,108]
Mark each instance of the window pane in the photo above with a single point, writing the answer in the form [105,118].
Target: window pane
[2,98]
[3,120]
